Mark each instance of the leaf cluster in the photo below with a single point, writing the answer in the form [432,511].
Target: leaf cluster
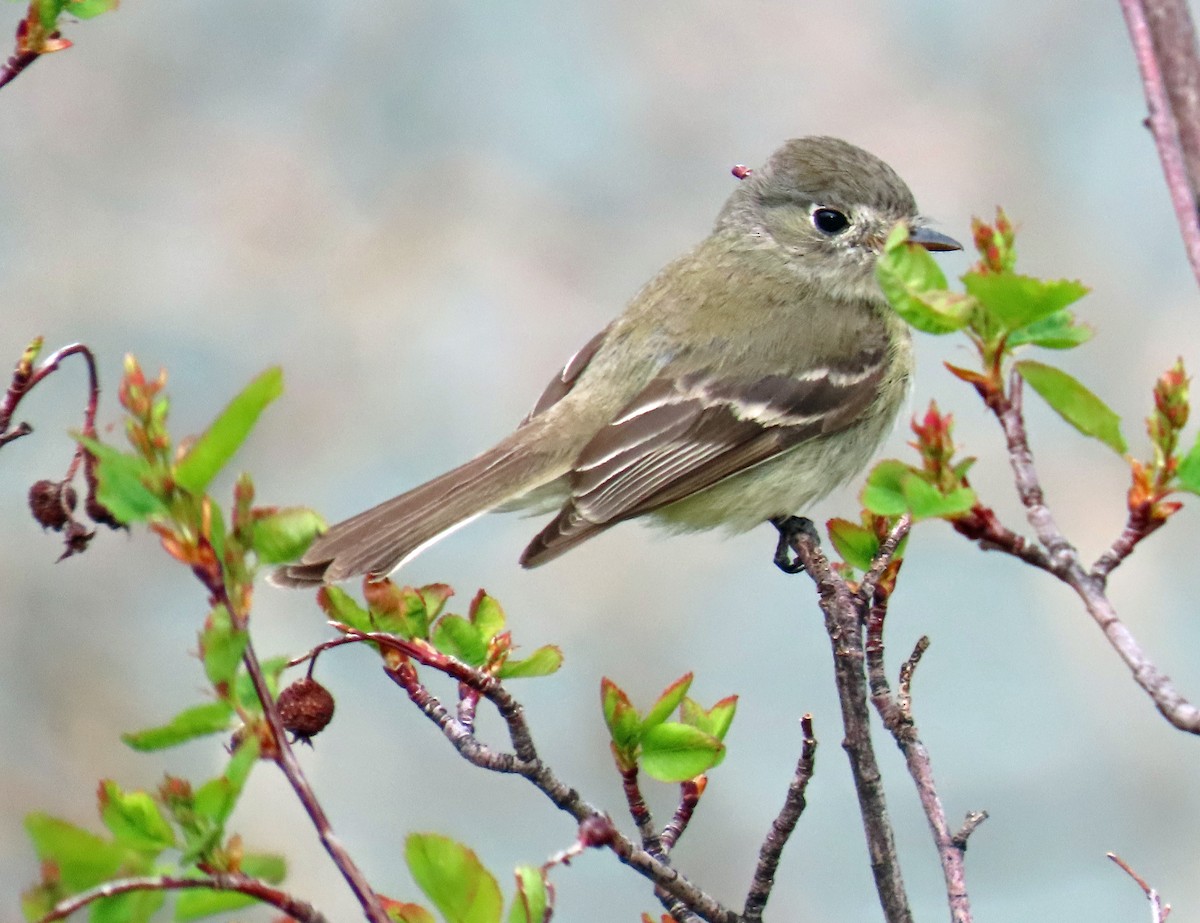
[670,751]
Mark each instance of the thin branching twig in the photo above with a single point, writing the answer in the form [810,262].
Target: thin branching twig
[224,881]
[844,623]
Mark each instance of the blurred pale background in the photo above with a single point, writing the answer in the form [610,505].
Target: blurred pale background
[419,210]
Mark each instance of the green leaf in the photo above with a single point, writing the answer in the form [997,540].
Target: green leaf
[715,721]
[221,647]
[619,715]
[894,488]
[38,900]
[916,287]
[674,752]
[209,453]
[925,501]
[285,534]
[542,662]
[48,11]
[216,798]
[884,490]
[82,858]
[400,912]
[667,702]
[88,9]
[1016,301]
[1058,331]
[197,903]
[457,637]
[397,610]
[486,615]
[270,867]
[132,907]
[532,901]
[340,606]
[434,595]
[453,878]
[272,668]
[857,544]
[1188,475]
[122,484]
[135,819]
[1074,403]
[197,721]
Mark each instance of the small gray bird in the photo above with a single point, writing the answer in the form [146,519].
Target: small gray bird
[745,381]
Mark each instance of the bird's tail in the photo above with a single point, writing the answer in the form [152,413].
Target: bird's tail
[382,538]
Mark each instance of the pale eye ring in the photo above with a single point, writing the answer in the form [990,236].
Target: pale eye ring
[829,220]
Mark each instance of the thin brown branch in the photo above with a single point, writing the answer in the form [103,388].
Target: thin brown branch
[896,713]
[970,823]
[981,525]
[1063,562]
[285,758]
[26,377]
[227,881]
[1138,526]
[781,827]
[887,551]
[525,762]
[1158,910]
[844,620]
[689,797]
[1164,41]
[639,811]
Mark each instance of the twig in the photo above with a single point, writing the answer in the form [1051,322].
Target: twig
[1063,562]
[981,525]
[689,797]
[969,825]
[781,827]
[224,881]
[1158,910]
[1138,526]
[887,550]
[26,377]
[639,811]
[844,625]
[21,58]
[1164,41]
[285,758]
[896,713]
[525,761]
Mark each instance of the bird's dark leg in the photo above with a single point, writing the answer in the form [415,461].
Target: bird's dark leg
[789,527]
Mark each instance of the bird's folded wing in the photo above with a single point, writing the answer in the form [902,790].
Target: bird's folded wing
[683,434]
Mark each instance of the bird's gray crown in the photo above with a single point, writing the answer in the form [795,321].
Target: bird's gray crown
[826,171]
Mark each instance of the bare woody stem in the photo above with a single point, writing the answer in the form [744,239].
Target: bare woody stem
[844,625]
[781,827]
[678,891]
[896,713]
[285,758]
[228,881]
[26,377]
[12,68]
[1063,561]
[1164,41]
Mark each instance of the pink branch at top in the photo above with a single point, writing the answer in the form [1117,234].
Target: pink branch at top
[1164,41]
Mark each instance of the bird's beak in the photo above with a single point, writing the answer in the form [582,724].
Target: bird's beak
[931,239]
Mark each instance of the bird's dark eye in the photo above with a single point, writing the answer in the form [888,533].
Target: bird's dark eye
[830,221]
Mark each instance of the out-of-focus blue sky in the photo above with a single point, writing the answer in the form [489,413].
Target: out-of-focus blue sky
[420,210]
